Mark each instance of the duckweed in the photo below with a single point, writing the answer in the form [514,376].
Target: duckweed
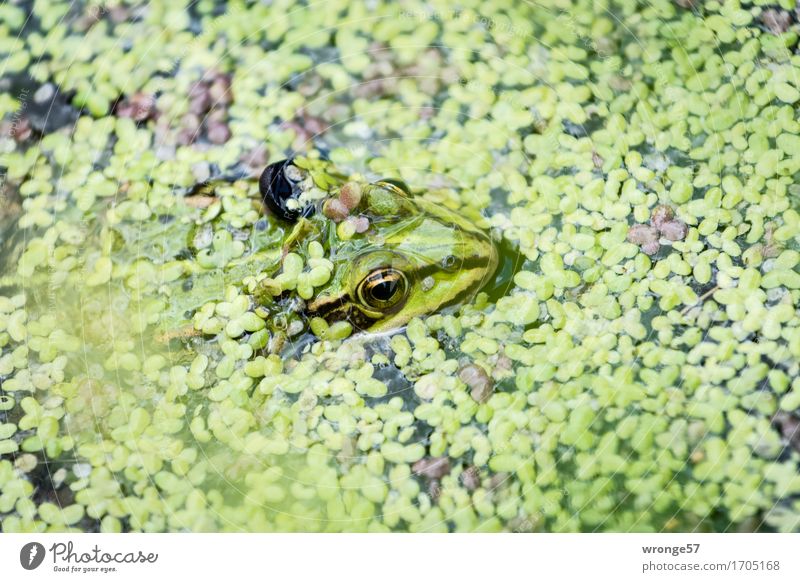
[638,369]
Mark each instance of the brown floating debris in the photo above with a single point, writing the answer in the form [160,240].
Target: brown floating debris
[219,133]
[661,214]
[641,234]
[335,210]
[674,230]
[350,195]
[471,478]
[432,467]
[199,201]
[789,425]
[139,107]
[776,21]
[480,384]
[662,224]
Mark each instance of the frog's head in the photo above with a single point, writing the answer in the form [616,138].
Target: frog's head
[395,256]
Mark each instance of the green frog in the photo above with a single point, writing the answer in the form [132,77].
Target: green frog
[339,254]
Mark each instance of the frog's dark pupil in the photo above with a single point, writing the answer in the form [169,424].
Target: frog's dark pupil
[384,290]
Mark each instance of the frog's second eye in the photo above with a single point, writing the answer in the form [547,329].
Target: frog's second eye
[279,183]
[397,186]
[383,289]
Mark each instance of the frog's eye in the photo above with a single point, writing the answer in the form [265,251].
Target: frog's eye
[383,289]
[279,183]
[398,186]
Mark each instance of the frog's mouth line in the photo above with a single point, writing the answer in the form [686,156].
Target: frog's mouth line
[340,309]
[323,307]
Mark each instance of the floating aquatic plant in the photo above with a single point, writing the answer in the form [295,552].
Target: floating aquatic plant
[639,369]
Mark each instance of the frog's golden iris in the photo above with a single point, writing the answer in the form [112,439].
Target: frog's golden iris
[384,289]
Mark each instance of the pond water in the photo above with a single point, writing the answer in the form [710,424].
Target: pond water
[633,366]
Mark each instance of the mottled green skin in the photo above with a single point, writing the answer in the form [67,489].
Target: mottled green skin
[444,257]
[421,240]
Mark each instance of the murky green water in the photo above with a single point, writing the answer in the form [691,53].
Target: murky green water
[635,367]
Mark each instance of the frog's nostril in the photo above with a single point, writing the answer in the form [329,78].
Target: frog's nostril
[279,183]
[450,263]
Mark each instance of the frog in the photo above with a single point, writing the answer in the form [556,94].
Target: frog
[350,254]
[314,252]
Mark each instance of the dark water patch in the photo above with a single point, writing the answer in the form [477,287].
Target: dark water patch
[510,263]
[44,105]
